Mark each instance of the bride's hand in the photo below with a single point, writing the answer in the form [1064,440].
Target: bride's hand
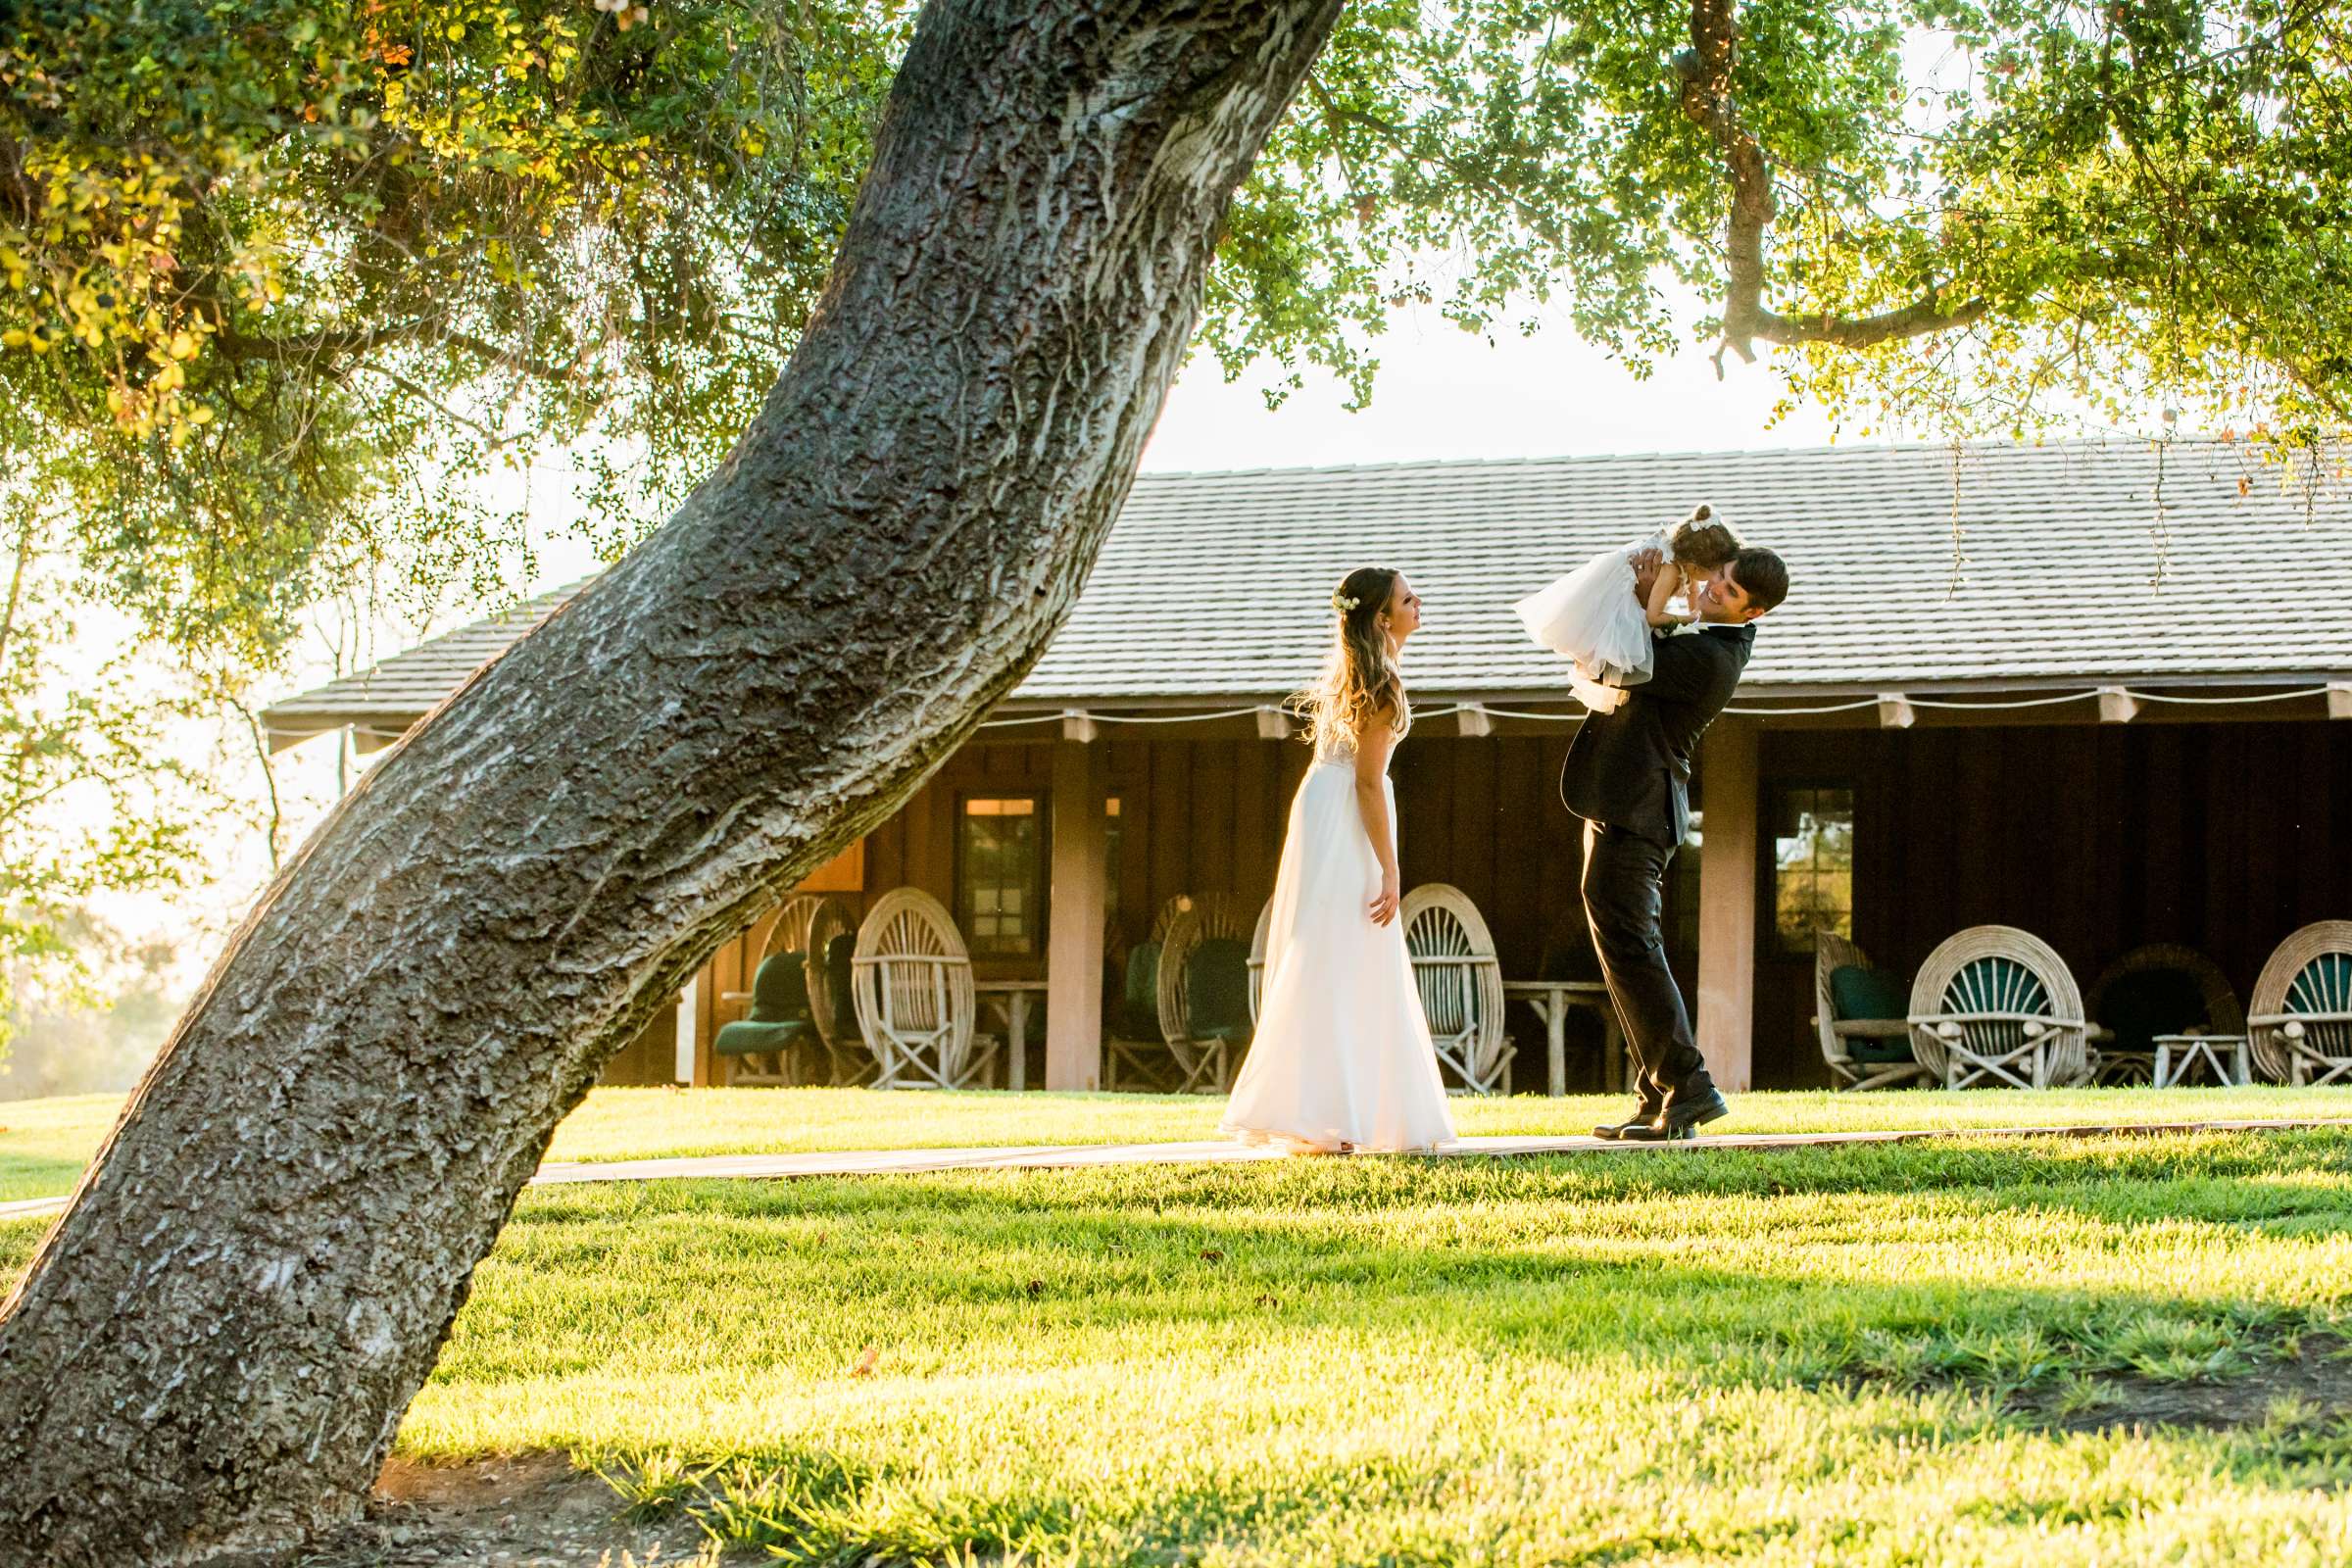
[1384,903]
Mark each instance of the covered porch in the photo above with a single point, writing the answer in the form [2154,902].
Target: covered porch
[2216,826]
[2008,689]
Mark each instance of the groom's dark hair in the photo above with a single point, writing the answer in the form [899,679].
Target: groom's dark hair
[1762,575]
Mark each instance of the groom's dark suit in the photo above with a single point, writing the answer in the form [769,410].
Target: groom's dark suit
[1628,775]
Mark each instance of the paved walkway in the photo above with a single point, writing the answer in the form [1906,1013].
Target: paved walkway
[1071,1156]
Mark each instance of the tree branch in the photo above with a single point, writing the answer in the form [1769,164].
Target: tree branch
[238,348]
[1705,70]
[1463,170]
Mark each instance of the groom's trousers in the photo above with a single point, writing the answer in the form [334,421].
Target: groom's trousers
[1623,885]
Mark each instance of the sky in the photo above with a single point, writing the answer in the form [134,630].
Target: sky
[1445,393]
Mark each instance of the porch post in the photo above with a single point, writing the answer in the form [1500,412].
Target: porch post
[1074,946]
[1727,905]
[685,1059]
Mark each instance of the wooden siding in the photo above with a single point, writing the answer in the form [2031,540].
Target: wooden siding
[2098,838]
[2222,837]
[1208,815]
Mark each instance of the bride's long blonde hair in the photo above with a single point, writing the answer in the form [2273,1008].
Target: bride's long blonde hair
[1359,676]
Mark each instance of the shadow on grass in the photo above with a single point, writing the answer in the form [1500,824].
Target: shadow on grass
[1546,1263]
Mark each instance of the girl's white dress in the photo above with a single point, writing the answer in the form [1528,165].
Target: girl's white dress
[1592,616]
[1341,1055]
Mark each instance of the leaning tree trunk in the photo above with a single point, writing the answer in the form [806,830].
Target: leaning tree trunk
[213,1348]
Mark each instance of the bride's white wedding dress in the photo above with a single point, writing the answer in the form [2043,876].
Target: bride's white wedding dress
[1341,1056]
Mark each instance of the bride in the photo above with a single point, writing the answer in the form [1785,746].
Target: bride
[1342,1060]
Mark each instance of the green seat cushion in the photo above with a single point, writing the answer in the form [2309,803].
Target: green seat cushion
[1883,1052]
[1995,984]
[779,1009]
[1138,1008]
[1216,981]
[2324,986]
[1857,993]
[744,1037]
[841,981]
[780,990]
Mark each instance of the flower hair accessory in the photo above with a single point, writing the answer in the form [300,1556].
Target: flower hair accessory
[1343,603]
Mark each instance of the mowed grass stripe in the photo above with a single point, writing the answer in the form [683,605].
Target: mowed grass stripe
[1841,1354]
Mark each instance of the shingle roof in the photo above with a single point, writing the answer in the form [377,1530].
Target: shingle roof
[389,697]
[1913,567]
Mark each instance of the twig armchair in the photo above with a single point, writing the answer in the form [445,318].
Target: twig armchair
[1205,991]
[791,1012]
[912,980]
[1863,1019]
[2156,993]
[2301,1022]
[1133,1047]
[1993,1005]
[1461,981]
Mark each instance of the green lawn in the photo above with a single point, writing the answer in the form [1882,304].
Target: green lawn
[1942,1354]
[1785,1359]
[44,1142]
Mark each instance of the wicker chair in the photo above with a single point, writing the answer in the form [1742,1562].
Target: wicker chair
[833,999]
[1886,1058]
[1257,960]
[2302,1008]
[788,1010]
[760,1048]
[1205,991]
[1997,1005]
[913,981]
[1461,981]
[1133,1045]
[2158,992]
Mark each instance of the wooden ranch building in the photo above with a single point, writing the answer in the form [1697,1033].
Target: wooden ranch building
[2099,691]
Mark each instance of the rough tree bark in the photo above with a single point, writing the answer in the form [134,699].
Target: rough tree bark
[213,1347]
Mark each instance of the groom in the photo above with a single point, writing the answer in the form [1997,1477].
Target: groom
[1628,775]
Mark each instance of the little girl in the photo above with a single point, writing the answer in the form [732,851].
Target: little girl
[1597,618]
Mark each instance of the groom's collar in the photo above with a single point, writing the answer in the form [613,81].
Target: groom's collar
[1746,631]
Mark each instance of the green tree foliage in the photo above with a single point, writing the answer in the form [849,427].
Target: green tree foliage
[91,799]
[85,1031]
[283,284]
[286,286]
[1972,214]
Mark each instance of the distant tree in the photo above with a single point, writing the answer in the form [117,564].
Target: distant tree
[94,1032]
[91,800]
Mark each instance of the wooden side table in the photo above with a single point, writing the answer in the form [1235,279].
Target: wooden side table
[1551,999]
[2175,1055]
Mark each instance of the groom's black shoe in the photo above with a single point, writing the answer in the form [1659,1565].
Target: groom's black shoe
[1683,1115]
[1645,1114]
